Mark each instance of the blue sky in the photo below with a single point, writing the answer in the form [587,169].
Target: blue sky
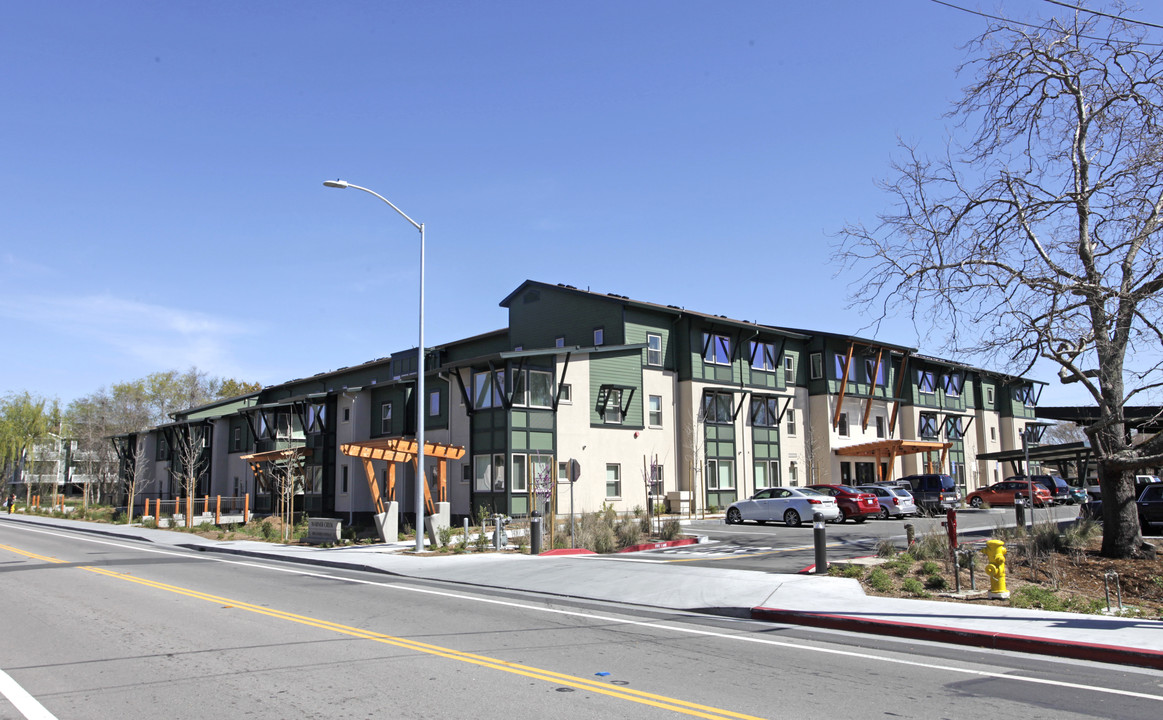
[161,166]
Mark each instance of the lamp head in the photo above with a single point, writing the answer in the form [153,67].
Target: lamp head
[335,183]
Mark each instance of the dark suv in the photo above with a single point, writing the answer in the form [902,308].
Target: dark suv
[933,492]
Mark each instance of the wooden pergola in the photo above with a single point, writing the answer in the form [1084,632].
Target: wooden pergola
[397,450]
[256,460]
[892,449]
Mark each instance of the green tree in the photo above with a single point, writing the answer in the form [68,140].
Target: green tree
[1038,234]
[25,420]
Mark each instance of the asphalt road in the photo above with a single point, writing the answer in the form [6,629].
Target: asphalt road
[780,549]
[100,628]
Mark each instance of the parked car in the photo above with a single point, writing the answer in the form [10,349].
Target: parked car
[853,503]
[895,501]
[1059,488]
[782,504]
[1077,496]
[1150,506]
[933,492]
[1005,492]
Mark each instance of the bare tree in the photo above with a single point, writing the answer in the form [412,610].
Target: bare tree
[1037,234]
[189,462]
[138,476]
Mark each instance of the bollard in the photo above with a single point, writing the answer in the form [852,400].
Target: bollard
[1020,510]
[910,534]
[535,533]
[821,540]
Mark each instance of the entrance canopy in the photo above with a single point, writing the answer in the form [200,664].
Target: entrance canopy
[890,450]
[273,458]
[397,450]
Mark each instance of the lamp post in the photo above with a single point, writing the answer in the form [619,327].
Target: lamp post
[421,401]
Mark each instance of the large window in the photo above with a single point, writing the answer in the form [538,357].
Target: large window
[485,392]
[873,371]
[926,381]
[954,430]
[927,426]
[489,472]
[613,412]
[762,356]
[843,367]
[718,408]
[720,474]
[716,349]
[654,349]
[764,411]
[386,418]
[953,383]
[766,474]
[655,411]
[613,480]
[540,389]
[817,365]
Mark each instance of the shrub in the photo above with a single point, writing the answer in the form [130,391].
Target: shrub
[445,536]
[930,567]
[936,582]
[1035,596]
[660,508]
[629,532]
[886,548]
[267,528]
[913,587]
[931,546]
[854,571]
[638,511]
[880,580]
[595,531]
[671,530]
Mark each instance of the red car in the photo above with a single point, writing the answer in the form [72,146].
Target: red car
[853,503]
[1002,493]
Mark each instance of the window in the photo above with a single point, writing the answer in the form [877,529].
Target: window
[793,473]
[540,388]
[880,426]
[519,390]
[655,411]
[316,418]
[791,422]
[843,367]
[817,365]
[343,488]
[766,474]
[599,336]
[613,412]
[520,483]
[716,349]
[653,349]
[873,371]
[718,408]
[236,442]
[386,418]
[993,434]
[953,428]
[926,381]
[842,426]
[489,472]
[346,414]
[484,389]
[789,370]
[434,403]
[989,395]
[762,356]
[953,383]
[563,470]
[559,341]
[613,481]
[927,426]
[566,394]
[720,474]
[764,411]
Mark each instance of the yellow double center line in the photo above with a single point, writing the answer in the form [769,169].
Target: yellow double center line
[621,693]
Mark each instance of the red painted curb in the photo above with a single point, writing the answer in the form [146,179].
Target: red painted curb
[975,638]
[568,551]
[659,544]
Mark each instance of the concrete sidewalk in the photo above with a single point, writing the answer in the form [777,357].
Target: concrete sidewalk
[817,601]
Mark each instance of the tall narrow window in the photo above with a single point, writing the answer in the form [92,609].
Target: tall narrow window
[344,487]
[520,483]
[386,419]
[789,370]
[540,389]
[793,474]
[613,411]
[613,481]
[791,422]
[842,426]
[880,426]
[237,440]
[653,349]
[599,336]
[655,411]
[434,403]
[817,365]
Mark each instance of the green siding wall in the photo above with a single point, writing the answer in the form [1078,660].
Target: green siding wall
[617,369]
[539,315]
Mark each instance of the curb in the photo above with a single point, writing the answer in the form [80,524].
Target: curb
[974,638]
[659,545]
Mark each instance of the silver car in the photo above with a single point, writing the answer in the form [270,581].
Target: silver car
[783,504]
[894,501]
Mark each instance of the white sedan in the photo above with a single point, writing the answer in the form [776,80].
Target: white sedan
[783,504]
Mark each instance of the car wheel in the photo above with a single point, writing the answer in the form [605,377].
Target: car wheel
[733,516]
[976,502]
[792,518]
[841,517]
[883,514]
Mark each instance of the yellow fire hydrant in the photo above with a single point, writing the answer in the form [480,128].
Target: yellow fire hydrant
[995,552]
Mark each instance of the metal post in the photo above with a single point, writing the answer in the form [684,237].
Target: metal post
[421,403]
[820,536]
[535,533]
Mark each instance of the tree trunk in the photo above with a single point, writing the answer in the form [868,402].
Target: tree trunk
[1120,533]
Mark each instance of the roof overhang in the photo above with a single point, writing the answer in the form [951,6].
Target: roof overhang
[894,447]
[399,450]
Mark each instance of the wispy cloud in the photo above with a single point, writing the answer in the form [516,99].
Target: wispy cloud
[157,336]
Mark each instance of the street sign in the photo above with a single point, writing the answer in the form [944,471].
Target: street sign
[574,470]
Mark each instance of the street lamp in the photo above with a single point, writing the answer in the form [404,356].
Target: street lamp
[421,401]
